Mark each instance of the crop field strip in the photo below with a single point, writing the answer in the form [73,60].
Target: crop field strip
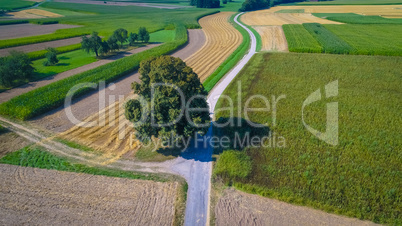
[221,40]
[264,17]
[352,18]
[360,177]
[33,14]
[272,38]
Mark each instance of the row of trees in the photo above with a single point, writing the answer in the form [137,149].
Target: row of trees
[205,3]
[250,5]
[95,44]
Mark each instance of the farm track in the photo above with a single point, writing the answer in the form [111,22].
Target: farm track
[221,40]
[272,38]
[40,196]
[7,95]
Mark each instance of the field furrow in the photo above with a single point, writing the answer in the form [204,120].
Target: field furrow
[221,40]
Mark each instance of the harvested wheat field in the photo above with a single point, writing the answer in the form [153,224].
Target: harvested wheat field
[44,197]
[239,208]
[34,13]
[108,132]
[272,38]
[264,17]
[221,40]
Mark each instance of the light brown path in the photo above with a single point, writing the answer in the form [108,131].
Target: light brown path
[26,30]
[41,46]
[272,38]
[221,40]
[239,208]
[88,105]
[47,197]
[7,95]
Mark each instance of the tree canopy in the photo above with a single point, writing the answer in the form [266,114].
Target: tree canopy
[92,44]
[15,66]
[168,77]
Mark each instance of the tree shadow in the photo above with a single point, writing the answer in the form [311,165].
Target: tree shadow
[62,64]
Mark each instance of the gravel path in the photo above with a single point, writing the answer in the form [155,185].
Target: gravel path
[239,208]
[7,95]
[41,46]
[87,105]
[48,197]
[26,30]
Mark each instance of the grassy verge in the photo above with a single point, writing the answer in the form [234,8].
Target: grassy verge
[74,145]
[352,18]
[231,61]
[257,36]
[361,176]
[35,157]
[53,95]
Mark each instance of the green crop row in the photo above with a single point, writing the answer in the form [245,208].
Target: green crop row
[51,96]
[328,40]
[360,176]
[64,49]
[300,40]
[9,22]
[352,18]
[231,61]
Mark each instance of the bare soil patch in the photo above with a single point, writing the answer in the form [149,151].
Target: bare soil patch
[273,38]
[46,197]
[10,142]
[26,30]
[41,46]
[239,208]
[152,5]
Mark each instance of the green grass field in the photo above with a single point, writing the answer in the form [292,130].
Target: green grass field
[354,2]
[15,4]
[361,176]
[360,39]
[352,18]
[67,61]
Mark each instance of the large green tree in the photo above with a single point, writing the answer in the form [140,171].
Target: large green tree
[91,44]
[172,101]
[16,66]
[143,34]
[51,57]
[120,35]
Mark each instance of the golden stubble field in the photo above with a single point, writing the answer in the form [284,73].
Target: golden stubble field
[221,40]
[31,196]
[34,13]
[272,38]
[113,136]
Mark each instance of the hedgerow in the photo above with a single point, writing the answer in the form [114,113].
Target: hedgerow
[64,49]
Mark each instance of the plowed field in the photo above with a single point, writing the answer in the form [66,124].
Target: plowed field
[30,196]
[221,40]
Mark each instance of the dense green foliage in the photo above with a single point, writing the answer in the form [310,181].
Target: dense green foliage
[44,22]
[345,39]
[8,22]
[15,4]
[233,165]
[328,40]
[300,40]
[249,5]
[51,57]
[205,3]
[52,96]
[352,18]
[143,34]
[16,66]
[34,157]
[178,86]
[361,176]
[231,61]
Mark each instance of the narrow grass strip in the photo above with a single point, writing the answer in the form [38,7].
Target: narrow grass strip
[36,55]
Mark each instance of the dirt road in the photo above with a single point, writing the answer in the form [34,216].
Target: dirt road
[239,208]
[7,95]
[45,197]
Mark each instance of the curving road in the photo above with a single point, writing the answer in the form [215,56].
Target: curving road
[195,164]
